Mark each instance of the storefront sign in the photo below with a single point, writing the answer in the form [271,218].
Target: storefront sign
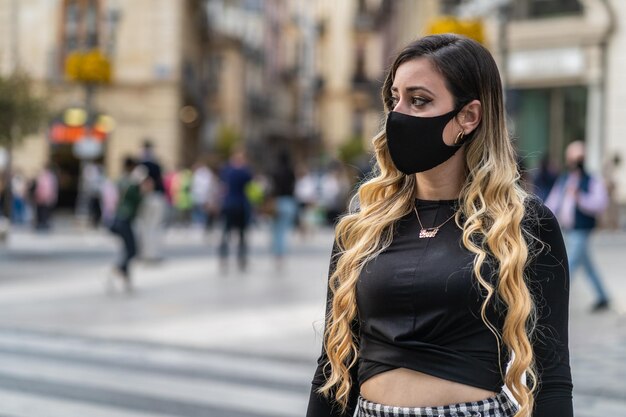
[546,63]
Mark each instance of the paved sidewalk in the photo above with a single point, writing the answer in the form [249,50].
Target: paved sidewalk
[54,283]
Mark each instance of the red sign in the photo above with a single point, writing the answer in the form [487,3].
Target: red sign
[62,133]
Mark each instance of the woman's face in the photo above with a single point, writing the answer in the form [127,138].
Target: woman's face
[420,90]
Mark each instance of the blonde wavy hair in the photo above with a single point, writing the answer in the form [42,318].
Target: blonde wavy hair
[492,206]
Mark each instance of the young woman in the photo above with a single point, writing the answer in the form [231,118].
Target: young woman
[449,282]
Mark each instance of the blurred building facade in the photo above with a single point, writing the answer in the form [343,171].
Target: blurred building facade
[156,49]
[193,76]
[262,79]
[562,62]
[199,75]
[357,39]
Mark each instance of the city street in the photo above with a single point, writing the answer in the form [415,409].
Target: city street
[193,342]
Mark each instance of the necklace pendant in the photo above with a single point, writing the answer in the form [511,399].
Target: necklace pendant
[428,233]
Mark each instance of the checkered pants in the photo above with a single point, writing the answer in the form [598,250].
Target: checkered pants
[498,406]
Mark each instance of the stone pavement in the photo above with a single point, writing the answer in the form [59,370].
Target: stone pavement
[54,284]
[598,341]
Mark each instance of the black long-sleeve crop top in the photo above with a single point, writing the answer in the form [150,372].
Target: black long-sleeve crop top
[419,308]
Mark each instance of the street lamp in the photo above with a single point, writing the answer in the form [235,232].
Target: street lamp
[93,67]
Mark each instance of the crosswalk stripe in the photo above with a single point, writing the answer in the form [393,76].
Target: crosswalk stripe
[159,358]
[155,383]
[19,404]
[155,405]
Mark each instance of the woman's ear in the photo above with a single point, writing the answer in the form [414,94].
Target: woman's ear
[470,116]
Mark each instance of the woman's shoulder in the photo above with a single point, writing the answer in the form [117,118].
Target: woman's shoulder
[538,218]
[543,233]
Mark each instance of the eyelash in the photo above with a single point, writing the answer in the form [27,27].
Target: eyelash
[421,101]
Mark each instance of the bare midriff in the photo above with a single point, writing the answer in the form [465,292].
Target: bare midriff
[407,388]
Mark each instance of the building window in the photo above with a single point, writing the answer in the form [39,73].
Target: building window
[449,7]
[525,9]
[545,120]
[536,9]
[359,65]
[80,26]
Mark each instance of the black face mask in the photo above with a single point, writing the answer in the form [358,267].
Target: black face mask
[578,166]
[416,143]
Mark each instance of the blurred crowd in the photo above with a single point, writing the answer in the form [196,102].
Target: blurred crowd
[230,196]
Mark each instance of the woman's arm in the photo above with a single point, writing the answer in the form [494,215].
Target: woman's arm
[319,405]
[548,276]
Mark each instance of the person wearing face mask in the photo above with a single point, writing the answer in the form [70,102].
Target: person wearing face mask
[448,286]
[578,199]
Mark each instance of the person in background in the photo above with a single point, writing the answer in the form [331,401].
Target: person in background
[445,268]
[236,209]
[168,186]
[92,181]
[334,190]
[577,199]
[544,178]
[283,181]
[307,192]
[46,191]
[110,197]
[153,211]
[203,185]
[182,199]
[134,183]
[19,189]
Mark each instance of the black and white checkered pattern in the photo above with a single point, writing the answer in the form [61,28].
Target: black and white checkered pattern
[498,406]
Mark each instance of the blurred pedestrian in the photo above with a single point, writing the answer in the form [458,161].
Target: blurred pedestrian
[203,194]
[134,183]
[544,178]
[19,190]
[181,195]
[307,192]
[46,192]
[334,189]
[153,210]
[168,192]
[577,199]
[283,181]
[110,199]
[236,209]
[92,182]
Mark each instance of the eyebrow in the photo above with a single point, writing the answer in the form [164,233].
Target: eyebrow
[413,89]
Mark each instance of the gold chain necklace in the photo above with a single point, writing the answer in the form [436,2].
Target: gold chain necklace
[426,233]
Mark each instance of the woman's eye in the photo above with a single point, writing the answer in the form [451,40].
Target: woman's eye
[419,101]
